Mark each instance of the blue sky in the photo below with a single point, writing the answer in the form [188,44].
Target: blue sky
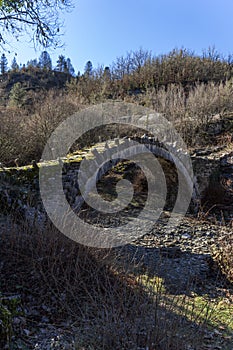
[102,30]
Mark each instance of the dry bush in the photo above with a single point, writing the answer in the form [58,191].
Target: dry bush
[48,115]
[90,90]
[199,104]
[180,66]
[225,139]
[190,109]
[110,306]
[169,101]
[24,136]
[223,254]
[206,100]
[11,134]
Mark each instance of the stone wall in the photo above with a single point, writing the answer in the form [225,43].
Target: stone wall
[19,189]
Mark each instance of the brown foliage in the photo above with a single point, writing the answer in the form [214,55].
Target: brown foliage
[223,254]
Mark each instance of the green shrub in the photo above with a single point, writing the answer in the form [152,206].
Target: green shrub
[17,96]
[8,310]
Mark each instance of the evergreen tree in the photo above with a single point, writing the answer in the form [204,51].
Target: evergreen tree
[88,69]
[14,65]
[61,64]
[33,63]
[65,69]
[70,68]
[23,68]
[107,73]
[17,96]
[45,61]
[3,64]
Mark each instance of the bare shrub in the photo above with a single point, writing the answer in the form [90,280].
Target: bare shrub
[206,100]
[191,109]
[90,89]
[113,309]
[223,254]
[11,132]
[169,101]
[48,115]
[24,136]
[180,66]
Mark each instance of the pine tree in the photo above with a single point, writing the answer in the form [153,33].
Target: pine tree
[70,68]
[14,65]
[3,64]
[107,73]
[17,96]
[65,69]
[61,63]
[45,61]
[88,69]
[33,63]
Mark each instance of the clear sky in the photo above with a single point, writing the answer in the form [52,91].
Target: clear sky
[101,30]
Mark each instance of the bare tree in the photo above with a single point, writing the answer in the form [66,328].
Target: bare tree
[38,18]
[122,66]
[132,62]
[140,58]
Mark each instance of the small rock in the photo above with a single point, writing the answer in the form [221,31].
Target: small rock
[27,332]
[185,236]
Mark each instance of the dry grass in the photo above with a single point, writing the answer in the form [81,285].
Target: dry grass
[191,112]
[110,306]
[24,133]
[223,255]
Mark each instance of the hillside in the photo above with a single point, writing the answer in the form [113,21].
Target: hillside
[34,80]
[170,285]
